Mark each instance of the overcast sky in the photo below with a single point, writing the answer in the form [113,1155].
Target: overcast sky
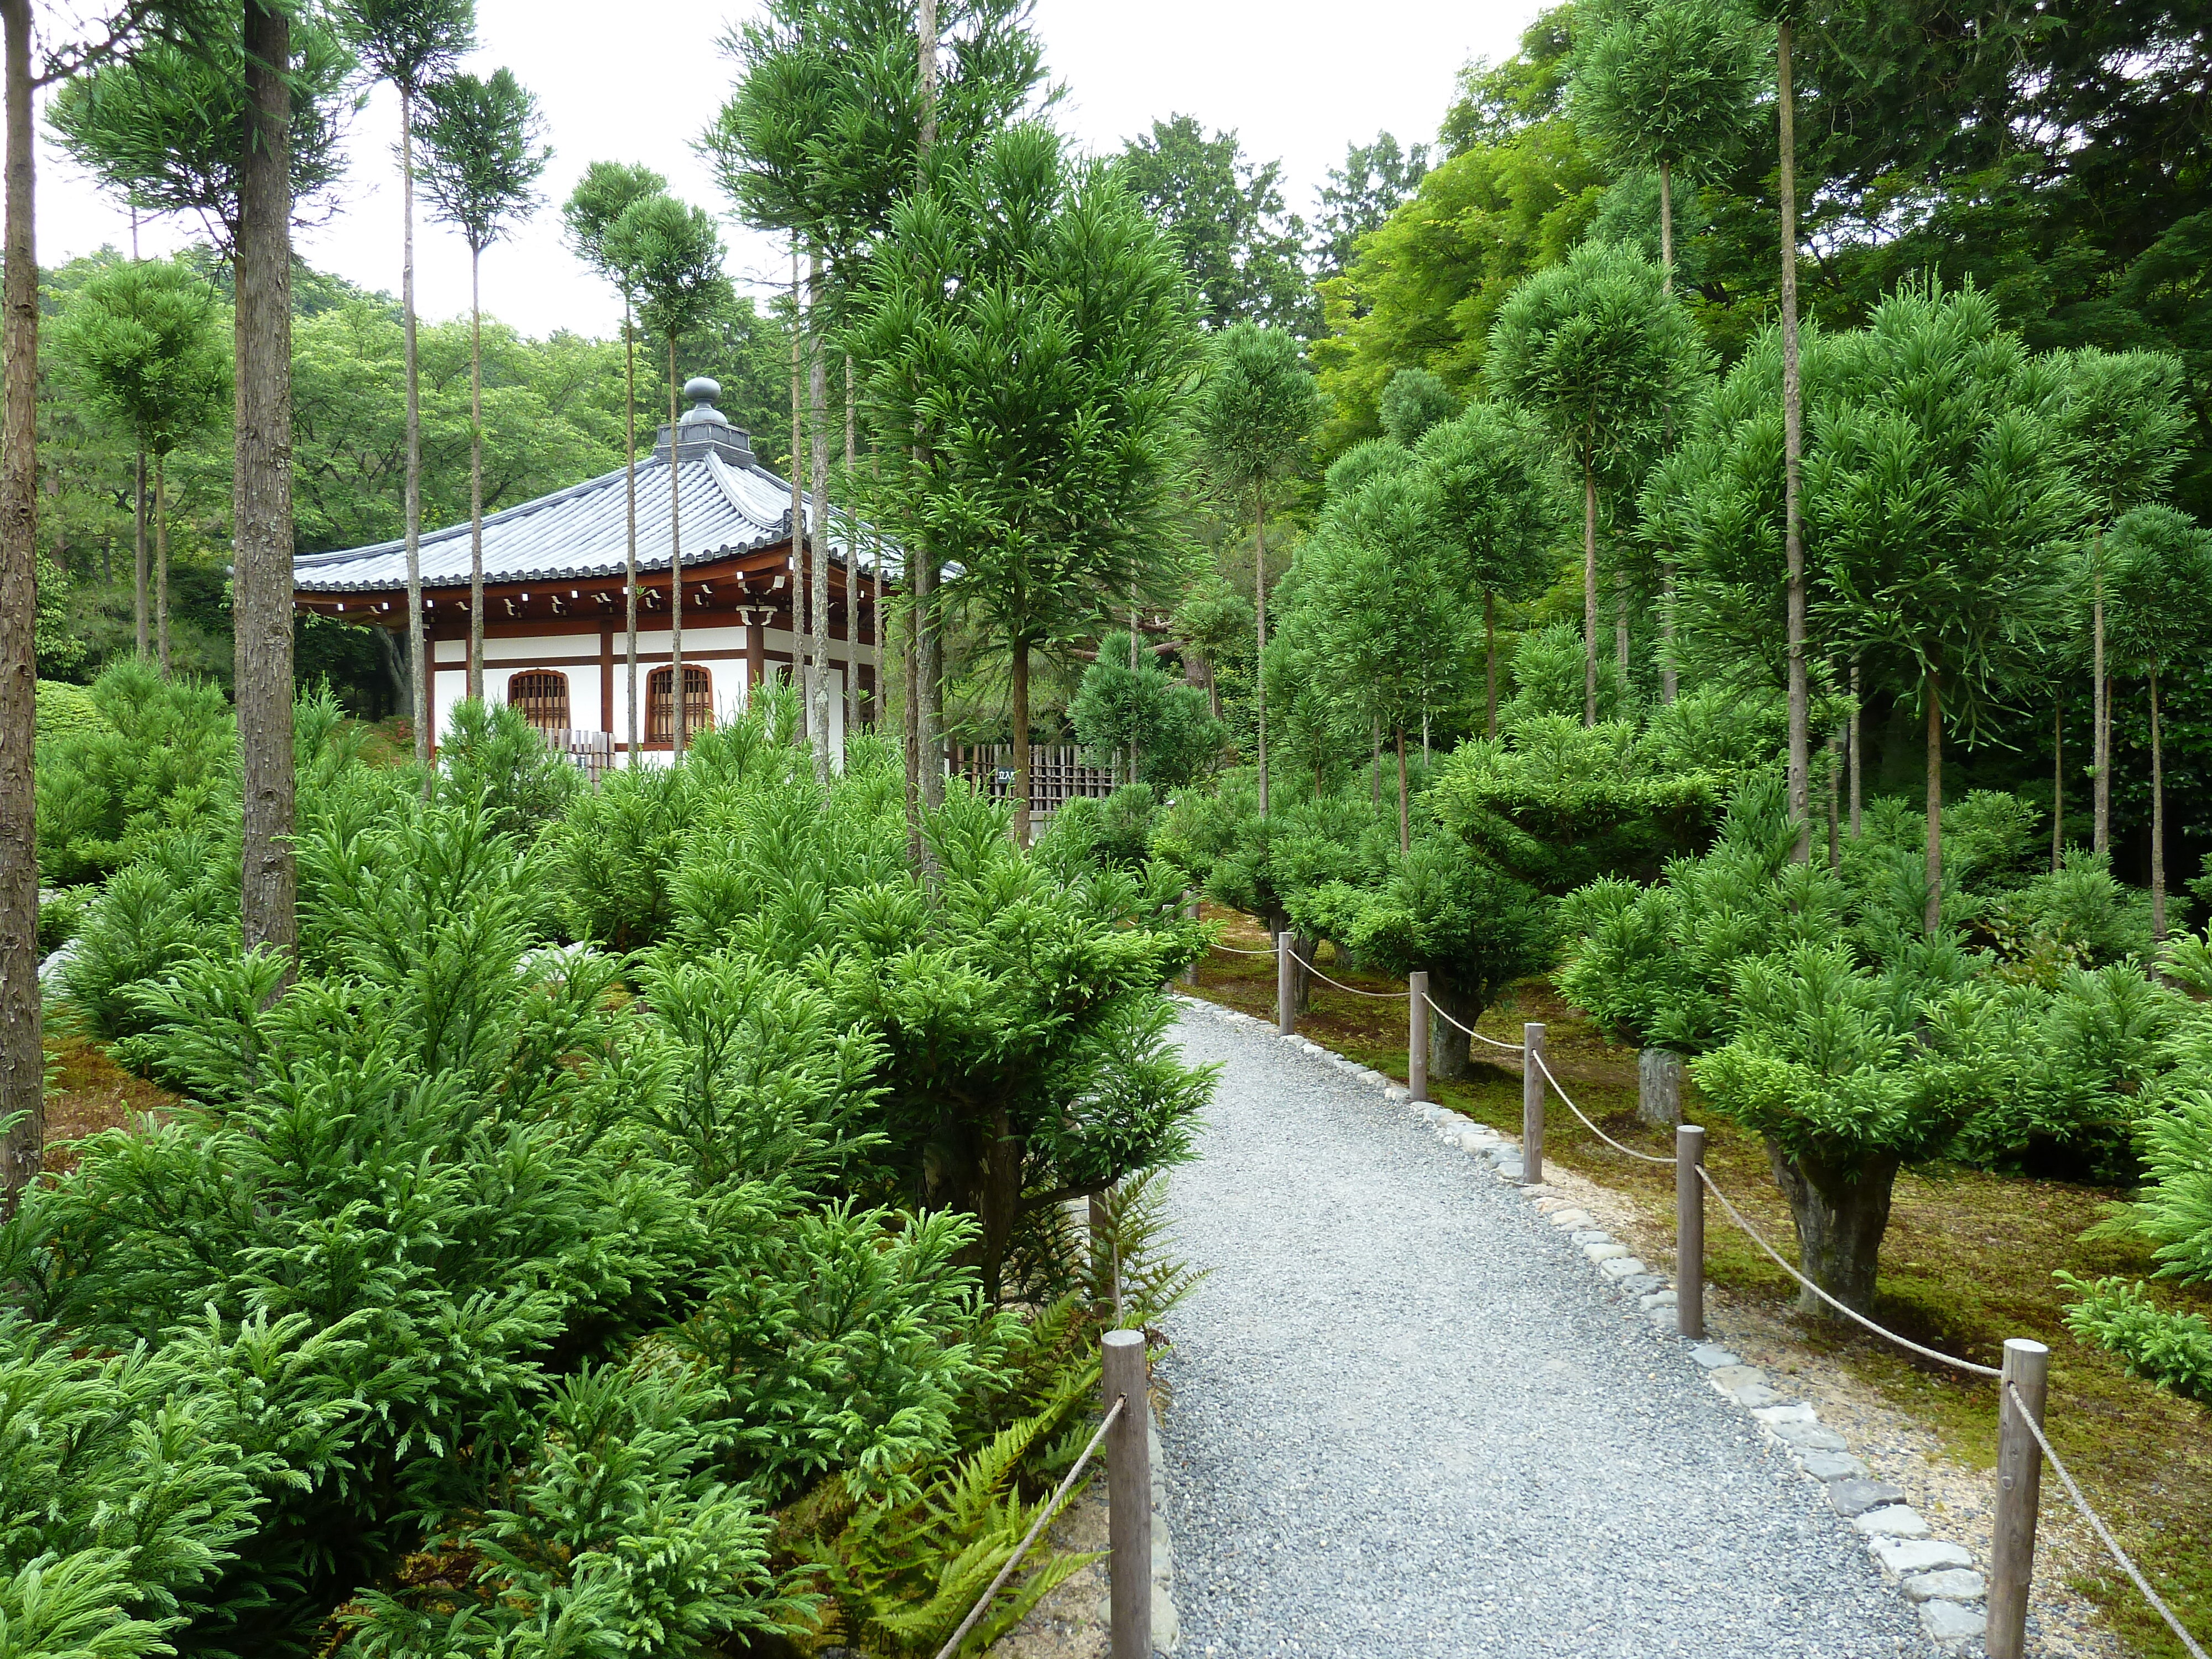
[1296,79]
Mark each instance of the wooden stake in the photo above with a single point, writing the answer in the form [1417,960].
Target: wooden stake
[1417,1035]
[1129,1495]
[1689,1232]
[1286,1019]
[2019,1488]
[1532,1105]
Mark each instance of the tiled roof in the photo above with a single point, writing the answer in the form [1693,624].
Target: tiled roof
[731,504]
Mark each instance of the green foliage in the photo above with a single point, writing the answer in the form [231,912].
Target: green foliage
[1665,80]
[1501,506]
[1353,469]
[61,917]
[1177,740]
[64,710]
[2174,1350]
[1115,832]
[1242,254]
[482,153]
[1364,192]
[1027,341]
[1258,408]
[492,753]
[159,126]
[1473,929]
[676,254]
[2158,587]
[1600,354]
[1414,402]
[157,758]
[145,346]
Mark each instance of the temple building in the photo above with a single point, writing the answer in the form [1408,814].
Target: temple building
[554,620]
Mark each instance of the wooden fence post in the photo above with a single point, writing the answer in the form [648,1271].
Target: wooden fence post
[1417,1035]
[1286,1020]
[2019,1488]
[1689,1232]
[1128,1496]
[1532,1105]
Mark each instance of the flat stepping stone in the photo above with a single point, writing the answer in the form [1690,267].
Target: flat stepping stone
[1569,1219]
[1591,1235]
[1948,1623]
[1811,1436]
[1856,1496]
[1912,1555]
[1728,1378]
[1620,1268]
[1606,1252]
[1657,1299]
[1894,1521]
[1952,1584]
[1838,1466]
[1711,1354]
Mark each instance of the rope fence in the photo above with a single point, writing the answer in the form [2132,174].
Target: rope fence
[1437,1009]
[2097,1523]
[1382,996]
[1537,1054]
[1756,1238]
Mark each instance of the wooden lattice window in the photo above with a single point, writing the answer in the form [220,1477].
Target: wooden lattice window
[541,695]
[660,709]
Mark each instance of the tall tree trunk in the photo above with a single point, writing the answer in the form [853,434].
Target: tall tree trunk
[802,673]
[161,561]
[141,611]
[2100,712]
[1793,460]
[1620,629]
[1405,831]
[1020,699]
[1260,633]
[2157,817]
[817,544]
[1855,772]
[853,589]
[629,502]
[2057,785]
[1375,766]
[1841,1215]
[1590,595]
[681,712]
[475,473]
[1835,837]
[1001,1200]
[1670,681]
[929,644]
[23,1059]
[261,492]
[1666,225]
[1490,660]
[1935,826]
[421,676]
[1450,1049]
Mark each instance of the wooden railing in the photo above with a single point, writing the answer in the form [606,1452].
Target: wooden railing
[1057,774]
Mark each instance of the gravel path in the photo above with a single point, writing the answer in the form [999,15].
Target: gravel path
[1408,1418]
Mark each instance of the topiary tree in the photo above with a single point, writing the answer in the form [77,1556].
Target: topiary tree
[676,254]
[1598,350]
[1501,510]
[1163,721]
[1664,84]
[144,345]
[1257,410]
[1472,929]
[1414,401]
[1028,340]
[2157,578]
[1937,498]
[590,215]
[482,155]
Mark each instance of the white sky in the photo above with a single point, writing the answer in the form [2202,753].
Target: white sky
[1296,79]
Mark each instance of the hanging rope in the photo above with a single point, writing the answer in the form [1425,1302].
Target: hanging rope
[1587,1124]
[952,1643]
[2104,1532]
[1510,1048]
[1736,1216]
[1380,995]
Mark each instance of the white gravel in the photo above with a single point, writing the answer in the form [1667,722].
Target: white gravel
[1409,1418]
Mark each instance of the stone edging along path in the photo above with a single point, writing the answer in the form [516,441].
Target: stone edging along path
[1939,1578]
